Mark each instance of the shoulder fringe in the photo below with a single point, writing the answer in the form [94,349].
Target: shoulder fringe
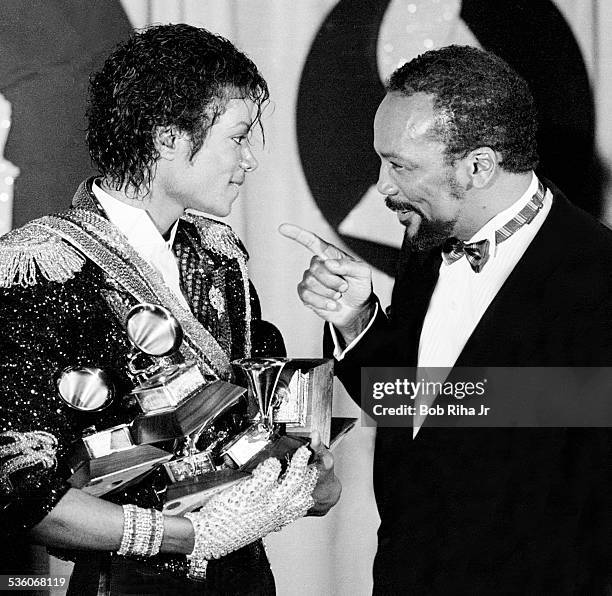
[218,237]
[32,251]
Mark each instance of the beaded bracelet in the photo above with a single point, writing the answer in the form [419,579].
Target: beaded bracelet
[158,532]
[127,540]
[143,532]
[197,560]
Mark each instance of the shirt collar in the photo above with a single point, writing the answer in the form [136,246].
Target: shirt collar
[487,232]
[135,223]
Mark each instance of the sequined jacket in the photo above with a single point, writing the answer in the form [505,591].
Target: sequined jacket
[66,283]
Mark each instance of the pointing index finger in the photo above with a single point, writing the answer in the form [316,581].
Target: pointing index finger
[311,241]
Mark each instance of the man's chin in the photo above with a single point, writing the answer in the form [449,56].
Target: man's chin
[424,235]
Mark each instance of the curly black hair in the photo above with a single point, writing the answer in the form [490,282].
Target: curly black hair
[479,101]
[166,75]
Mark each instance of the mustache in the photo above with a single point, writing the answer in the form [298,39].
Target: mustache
[398,205]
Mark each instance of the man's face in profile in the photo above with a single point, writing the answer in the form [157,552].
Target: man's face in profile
[210,180]
[419,183]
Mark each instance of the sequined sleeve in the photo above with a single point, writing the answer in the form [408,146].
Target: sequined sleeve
[46,327]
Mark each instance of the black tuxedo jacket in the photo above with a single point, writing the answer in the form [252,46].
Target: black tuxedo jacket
[500,511]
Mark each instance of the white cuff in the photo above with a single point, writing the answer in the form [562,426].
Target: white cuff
[339,353]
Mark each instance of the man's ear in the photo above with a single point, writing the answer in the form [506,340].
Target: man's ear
[166,140]
[481,165]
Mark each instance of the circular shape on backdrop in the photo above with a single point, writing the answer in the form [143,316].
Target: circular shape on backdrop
[340,91]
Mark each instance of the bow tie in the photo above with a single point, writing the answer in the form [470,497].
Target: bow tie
[477,253]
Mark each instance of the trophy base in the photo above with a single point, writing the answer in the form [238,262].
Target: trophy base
[195,413]
[102,475]
[189,495]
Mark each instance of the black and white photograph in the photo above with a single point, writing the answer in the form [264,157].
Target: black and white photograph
[306,297]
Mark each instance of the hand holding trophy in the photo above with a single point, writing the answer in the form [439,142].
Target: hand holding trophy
[254,507]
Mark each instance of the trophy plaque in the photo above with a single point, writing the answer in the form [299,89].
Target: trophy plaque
[305,389]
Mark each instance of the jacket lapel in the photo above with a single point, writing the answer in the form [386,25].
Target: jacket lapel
[417,277]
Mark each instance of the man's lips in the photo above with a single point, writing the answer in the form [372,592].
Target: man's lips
[406,212]
[401,207]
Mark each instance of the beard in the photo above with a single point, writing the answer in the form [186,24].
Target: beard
[430,234]
[423,234]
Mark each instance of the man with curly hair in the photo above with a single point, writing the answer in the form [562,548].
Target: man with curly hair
[498,269]
[170,114]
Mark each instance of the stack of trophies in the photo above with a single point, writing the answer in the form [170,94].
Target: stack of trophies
[217,431]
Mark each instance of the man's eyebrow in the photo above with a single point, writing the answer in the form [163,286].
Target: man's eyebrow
[247,125]
[392,155]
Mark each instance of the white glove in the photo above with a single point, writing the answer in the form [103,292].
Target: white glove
[251,509]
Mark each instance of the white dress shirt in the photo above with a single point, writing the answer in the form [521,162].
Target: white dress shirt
[142,234]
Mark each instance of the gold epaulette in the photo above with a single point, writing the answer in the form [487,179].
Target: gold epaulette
[31,252]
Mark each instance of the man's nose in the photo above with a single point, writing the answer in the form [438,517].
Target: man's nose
[384,185]
[387,188]
[247,160]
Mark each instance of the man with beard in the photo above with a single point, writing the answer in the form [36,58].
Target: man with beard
[498,269]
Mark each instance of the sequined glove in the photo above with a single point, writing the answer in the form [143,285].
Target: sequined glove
[252,509]
[20,451]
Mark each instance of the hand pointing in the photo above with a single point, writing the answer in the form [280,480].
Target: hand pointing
[315,244]
[336,286]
